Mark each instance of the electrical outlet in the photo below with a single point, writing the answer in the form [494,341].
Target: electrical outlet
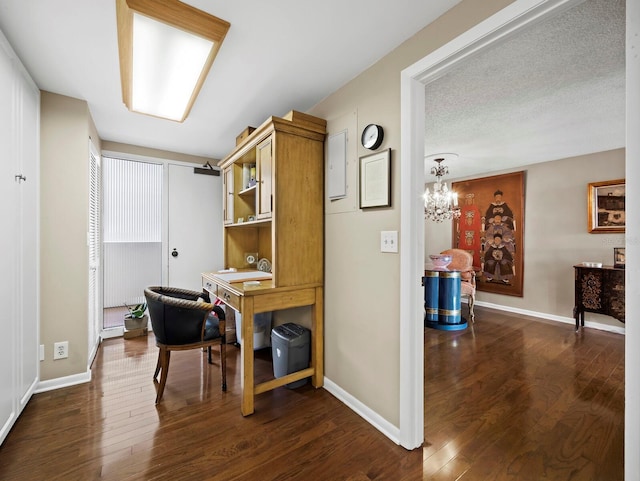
[60,350]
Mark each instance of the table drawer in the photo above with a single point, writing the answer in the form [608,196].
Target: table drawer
[210,286]
[229,297]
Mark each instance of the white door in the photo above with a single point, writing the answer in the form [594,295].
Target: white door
[8,244]
[95,241]
[195,226]
[28,220]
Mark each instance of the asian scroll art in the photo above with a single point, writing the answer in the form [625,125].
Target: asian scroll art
[490,227]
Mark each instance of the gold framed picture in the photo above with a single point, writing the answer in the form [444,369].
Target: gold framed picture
[606,204]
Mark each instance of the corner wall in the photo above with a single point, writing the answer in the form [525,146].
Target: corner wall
[64,199]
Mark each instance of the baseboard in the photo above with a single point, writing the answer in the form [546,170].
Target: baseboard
[372,417]
[61,382]
[551,317]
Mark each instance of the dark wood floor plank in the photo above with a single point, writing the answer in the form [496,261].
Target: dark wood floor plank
[512,398]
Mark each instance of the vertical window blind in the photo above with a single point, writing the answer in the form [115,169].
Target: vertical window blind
[132,229]
[132,210]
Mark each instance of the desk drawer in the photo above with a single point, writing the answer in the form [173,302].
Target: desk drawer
[210,286]
[229,298]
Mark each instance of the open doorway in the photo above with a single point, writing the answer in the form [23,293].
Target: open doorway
[519,14]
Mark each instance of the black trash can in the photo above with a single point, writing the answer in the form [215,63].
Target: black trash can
[290,351]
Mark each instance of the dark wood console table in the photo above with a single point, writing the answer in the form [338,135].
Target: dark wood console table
[599,290]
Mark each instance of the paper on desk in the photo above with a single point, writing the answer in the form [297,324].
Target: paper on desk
[243,276]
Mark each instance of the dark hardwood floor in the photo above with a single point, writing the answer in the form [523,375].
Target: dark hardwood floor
[514,398]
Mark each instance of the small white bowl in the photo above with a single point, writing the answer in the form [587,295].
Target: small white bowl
[440,260]
[592,264]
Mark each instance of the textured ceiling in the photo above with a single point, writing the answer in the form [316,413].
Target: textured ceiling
[554,90]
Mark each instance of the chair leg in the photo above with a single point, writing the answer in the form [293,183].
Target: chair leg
[166,356]
[209,355]
[223,364]
[471,314]
[158,364]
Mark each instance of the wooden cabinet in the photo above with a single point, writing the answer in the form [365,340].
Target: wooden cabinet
[273,201]
[280,215]
[600,290]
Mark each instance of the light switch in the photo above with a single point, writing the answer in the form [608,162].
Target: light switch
[389,241]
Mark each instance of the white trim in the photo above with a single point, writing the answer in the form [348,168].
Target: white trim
[6,427]
[372,417]
[27,395]
[117,331]
[60,382]
[497,27]
[632,272]
[411,262]
[551,317]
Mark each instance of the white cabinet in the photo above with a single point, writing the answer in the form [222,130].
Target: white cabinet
[19,218]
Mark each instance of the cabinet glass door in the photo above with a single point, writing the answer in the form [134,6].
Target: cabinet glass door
[264,164]
[228,195]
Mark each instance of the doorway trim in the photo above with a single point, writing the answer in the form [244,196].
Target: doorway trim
[500,26]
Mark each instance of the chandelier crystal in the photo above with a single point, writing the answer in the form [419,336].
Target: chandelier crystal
[440,204]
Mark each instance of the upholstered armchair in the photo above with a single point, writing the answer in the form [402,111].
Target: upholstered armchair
[462,261]
[181,319]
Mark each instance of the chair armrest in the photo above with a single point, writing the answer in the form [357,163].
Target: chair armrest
[219,312]
[469,275]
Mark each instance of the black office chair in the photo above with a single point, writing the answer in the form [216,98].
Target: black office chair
[181,321]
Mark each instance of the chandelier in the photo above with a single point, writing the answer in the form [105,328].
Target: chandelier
[441,203]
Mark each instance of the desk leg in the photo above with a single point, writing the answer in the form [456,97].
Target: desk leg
[317,347]
[246,356]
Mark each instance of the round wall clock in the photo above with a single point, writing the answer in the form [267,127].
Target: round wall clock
[372,136]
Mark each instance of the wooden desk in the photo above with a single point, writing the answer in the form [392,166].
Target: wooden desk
[600,290]
[265,297]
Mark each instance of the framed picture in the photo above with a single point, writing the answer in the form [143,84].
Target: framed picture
[491,228]
[375,180]
[606,206]
[618,257]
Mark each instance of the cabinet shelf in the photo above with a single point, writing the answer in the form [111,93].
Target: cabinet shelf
[248,191]
[246,224]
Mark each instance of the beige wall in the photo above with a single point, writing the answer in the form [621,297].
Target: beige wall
[64,145]
[362,323]
[555,233]
[66,126]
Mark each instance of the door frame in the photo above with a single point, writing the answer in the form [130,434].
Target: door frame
[506,22]
[96,330]
[165,212]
